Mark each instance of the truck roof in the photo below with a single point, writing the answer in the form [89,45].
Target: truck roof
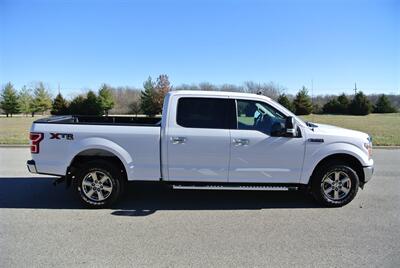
[216,93]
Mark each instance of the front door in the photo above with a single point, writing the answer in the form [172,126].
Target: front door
[199,140]
[256,155]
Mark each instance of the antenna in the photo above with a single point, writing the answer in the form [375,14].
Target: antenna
[355,88]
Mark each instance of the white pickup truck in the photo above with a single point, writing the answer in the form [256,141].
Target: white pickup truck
[204,140]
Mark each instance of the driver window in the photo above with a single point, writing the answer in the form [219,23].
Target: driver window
[254,115]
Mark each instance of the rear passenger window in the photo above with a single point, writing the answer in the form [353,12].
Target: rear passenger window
[206,113]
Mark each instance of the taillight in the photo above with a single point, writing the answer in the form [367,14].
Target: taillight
[35,139]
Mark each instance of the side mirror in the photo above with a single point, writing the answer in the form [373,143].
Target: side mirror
[290,127]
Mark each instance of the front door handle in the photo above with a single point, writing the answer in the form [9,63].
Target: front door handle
[178,140]
[241,142]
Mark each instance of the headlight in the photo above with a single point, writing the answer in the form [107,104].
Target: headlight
[368,146]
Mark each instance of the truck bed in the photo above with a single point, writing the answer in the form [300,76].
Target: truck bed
[101,120]
[134,140]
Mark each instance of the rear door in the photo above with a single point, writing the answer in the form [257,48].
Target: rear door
[198,139]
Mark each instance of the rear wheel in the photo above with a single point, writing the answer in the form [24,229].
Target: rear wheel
[334,184]
[99,184]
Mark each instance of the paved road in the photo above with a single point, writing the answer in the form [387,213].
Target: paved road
[42,225]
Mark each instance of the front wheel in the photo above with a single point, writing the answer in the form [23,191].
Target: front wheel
[99,184]
[334,184]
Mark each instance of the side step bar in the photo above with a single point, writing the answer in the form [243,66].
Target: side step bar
[233,187]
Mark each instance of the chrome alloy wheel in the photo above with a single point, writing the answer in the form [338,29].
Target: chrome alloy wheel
[336,185]
[97,186]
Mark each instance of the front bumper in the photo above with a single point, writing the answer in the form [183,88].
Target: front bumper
[31,166]
[368,171]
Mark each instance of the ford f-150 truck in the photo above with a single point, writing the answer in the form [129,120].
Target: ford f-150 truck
[204,140]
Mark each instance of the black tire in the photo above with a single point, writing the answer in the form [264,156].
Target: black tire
[321,186]
[100,194]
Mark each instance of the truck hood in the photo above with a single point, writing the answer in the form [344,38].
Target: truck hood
[338,131]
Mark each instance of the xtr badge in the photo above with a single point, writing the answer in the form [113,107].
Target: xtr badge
[59,136]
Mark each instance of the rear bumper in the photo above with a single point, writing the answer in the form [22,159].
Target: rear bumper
[368,171]
[31,166]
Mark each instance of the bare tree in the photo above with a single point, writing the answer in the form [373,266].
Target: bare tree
[207,86]
[162,87]
[134,107]
[187,87]
[270,89]
[123,97]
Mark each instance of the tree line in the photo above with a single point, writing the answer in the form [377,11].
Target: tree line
[39,100]
[149,99]
[342,104]
[25,101]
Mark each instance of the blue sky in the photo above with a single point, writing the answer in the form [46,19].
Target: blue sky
[81,44]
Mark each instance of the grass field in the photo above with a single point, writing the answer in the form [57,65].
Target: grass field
[15,130]
[384,128]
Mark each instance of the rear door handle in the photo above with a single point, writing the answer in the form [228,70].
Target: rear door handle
[178,140]
[241,142]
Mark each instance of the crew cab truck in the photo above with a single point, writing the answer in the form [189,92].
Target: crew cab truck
[204,140]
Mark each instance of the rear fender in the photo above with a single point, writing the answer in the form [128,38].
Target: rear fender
[106,145]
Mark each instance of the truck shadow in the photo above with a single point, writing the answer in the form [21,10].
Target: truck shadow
[143,199]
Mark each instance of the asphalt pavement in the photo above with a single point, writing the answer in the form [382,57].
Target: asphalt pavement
[42,225]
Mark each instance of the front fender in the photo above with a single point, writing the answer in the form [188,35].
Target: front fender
[315,154]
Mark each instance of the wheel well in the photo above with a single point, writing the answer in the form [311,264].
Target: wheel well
[350,160]
[96,154]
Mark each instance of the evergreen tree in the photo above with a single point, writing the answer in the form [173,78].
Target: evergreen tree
[331,107]
[148,97]
[285,102]
[42,100]
[60,106]
[339,105]
[343,104]
[360,105]
[89,105]
[106,98]
[76,106]
[9,100]
[25,101]
[302,103]
[92,104]
[383,105]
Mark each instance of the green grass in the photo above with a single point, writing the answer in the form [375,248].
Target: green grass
[15,130]
[384,128]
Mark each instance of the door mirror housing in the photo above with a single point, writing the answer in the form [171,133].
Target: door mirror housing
[290,127]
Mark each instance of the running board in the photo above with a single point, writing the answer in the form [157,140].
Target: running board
[232,187]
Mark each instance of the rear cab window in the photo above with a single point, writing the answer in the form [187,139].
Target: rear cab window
[213,113]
